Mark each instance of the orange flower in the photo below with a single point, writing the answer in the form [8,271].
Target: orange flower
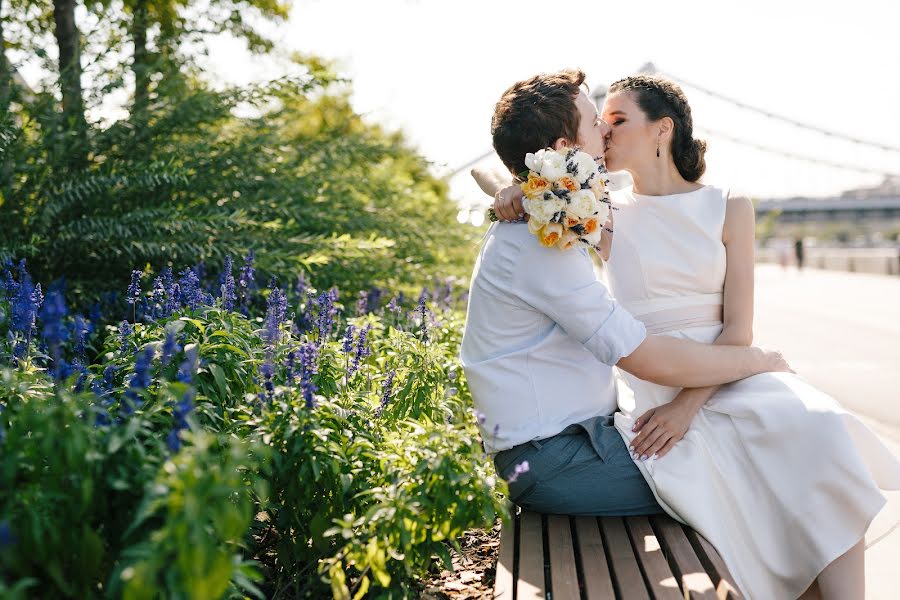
[550,234]
[590,225]
[567,240]
[567,183]
[535,186]
[571,221]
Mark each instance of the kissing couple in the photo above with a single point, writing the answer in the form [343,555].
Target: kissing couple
[698,423]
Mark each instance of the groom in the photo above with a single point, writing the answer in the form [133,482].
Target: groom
[542,334]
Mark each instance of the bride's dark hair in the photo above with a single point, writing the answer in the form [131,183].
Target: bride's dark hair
[658,98]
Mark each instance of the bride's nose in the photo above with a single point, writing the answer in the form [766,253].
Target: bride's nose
[605,129]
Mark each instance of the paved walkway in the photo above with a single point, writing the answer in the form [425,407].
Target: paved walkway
[841,331]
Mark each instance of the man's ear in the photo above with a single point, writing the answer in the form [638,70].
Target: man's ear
[561,143]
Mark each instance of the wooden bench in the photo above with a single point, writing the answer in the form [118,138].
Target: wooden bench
[558,557]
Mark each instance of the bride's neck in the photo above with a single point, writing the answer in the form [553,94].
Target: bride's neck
[663,180]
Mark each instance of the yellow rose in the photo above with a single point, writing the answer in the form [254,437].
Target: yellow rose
[535,186]
[591,225]
[567,240]
[550,234]
[566,182]
[598,186]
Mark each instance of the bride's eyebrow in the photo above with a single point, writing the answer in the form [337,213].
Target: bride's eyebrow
[617,112]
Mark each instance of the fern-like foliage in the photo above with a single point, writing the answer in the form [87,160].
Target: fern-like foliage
[303,181]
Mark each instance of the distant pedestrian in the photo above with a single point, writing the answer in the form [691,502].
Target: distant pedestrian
[798,252]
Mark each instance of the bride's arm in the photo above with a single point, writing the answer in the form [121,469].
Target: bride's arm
[663,426]
[491,181]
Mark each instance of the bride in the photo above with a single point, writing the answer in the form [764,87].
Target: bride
[777,475]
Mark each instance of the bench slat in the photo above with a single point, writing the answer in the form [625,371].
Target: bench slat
[531,557]
[630,582]
[660,578]
[503,580]
[597,580]
[563,577]
[726,589]
[695,583]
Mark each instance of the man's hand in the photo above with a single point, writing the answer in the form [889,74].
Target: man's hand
[661,427]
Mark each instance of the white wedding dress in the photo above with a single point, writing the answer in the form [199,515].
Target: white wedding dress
[773,472]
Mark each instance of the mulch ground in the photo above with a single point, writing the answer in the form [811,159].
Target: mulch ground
[473,571]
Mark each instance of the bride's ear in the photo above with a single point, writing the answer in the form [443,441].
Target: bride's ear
[561,143]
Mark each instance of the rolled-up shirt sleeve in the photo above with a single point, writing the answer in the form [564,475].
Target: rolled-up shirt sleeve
[562,285]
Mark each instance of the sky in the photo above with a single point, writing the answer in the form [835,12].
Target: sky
[435,69]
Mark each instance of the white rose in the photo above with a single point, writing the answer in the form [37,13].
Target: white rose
[602,210]
[535,161]
[581,204]
[543,210]
[554,166]
[593,238]
[586,166]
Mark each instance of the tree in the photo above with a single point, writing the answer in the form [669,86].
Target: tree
[5,72]
[69,44]
[176,24]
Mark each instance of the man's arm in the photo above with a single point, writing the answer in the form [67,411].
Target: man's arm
[684,363]
[564,287]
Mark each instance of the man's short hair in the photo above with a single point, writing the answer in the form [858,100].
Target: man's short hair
[534,113]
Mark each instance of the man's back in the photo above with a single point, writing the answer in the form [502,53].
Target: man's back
[541,335]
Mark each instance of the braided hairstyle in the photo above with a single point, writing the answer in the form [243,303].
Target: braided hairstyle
[659,98]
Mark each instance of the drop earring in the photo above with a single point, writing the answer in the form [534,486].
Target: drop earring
[657,152]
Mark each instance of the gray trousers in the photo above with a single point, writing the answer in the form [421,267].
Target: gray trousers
[585,469]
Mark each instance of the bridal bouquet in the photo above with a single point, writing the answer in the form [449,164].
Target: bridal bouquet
[566,197]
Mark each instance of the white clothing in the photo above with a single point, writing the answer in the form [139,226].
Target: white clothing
[542,334]
[776,474]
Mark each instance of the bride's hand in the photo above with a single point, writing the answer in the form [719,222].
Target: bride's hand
[662,427]
[508,204]
[775,362]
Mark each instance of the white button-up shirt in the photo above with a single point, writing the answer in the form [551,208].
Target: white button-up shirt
[542,333]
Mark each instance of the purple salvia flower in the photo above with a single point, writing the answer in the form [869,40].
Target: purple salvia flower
[421,311]
[188,367]
[520,468]
[190,293]
[228,294]
[290,365]
[81,331]
[386,389]
[348,339]
[362,304]
[375,295]
[134,288]
[393,306]
[267,370]
[140,380]
[277,308]
[125,332]
[54,331]
[307,355]
[247,282]
[181,410]
[301,286]
[169,347]
[7,538]
[325,322]
[362,348]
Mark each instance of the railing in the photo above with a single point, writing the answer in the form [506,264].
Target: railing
[882,261]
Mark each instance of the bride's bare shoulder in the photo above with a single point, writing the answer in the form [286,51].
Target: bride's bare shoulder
[740,217]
